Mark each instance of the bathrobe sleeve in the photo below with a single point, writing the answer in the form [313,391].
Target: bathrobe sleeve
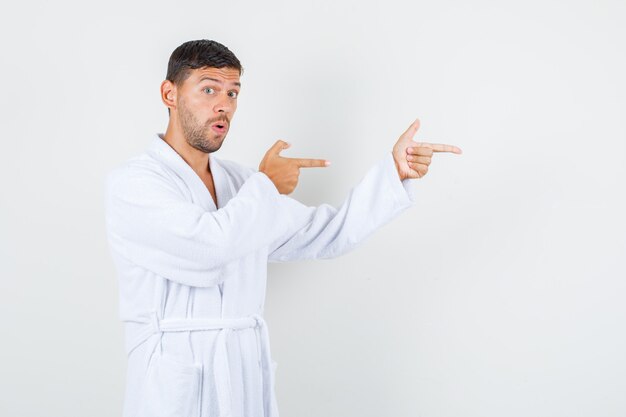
[325,231]
[151,223]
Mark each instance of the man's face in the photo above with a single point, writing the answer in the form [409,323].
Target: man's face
[206,103]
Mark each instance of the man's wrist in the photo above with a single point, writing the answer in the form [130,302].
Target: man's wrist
[397,166]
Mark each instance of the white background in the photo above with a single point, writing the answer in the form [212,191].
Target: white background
[501,293]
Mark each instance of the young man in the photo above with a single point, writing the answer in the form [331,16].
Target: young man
[191,236]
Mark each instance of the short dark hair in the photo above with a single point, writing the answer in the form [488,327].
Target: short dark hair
[199,54]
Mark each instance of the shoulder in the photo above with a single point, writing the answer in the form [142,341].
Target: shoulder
[235,170]
[137,175]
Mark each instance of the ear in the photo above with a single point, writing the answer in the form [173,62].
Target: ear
[168,94]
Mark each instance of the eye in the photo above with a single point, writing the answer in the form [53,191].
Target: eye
[210,90]
[233,94]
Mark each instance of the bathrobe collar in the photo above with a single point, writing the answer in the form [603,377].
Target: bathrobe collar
[200,194]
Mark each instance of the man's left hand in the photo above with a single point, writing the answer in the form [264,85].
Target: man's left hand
[413,158]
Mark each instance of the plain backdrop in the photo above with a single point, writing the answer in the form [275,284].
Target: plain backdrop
[500,293]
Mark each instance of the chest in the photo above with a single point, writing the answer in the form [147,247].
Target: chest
[210,185]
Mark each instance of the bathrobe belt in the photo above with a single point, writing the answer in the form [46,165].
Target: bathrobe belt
[221,367]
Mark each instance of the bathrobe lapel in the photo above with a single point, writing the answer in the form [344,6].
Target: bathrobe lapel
[200,195]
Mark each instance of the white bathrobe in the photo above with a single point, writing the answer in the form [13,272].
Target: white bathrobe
[192,276]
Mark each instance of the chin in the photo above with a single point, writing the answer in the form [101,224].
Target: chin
[217,146]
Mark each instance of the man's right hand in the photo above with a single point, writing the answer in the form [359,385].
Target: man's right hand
[284,172]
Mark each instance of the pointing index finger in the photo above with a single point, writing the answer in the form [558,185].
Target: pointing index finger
[439,147]
[311,163]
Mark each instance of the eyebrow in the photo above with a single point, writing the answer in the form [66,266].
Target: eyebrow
[238,84]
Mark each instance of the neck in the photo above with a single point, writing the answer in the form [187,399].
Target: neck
[196,159]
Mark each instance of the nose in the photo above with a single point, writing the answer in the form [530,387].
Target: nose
[224,104]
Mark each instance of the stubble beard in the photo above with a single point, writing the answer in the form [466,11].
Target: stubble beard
[197,135]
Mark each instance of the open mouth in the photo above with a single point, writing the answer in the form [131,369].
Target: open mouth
[219,127]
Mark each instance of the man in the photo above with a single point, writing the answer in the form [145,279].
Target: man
[191,235]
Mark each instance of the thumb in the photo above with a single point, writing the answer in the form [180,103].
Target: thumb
[278,147]
[412,130]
